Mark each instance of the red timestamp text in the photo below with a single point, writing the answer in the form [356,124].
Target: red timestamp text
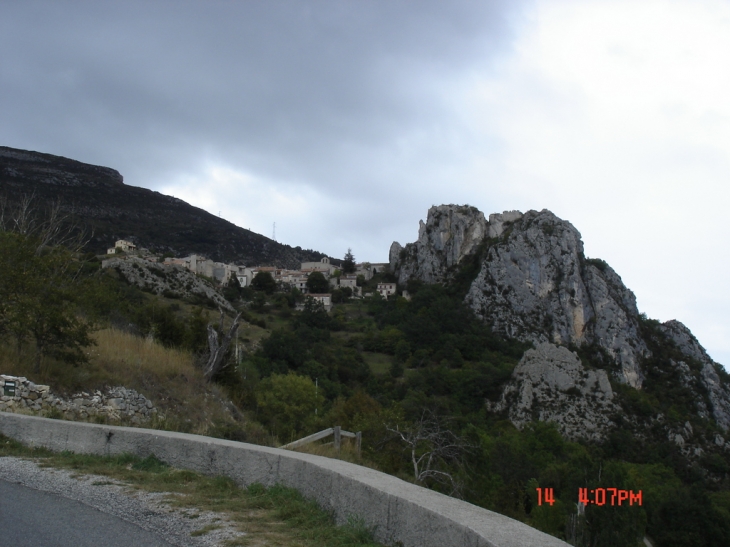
[595,496]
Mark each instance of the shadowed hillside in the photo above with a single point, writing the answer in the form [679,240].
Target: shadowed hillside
[111,210]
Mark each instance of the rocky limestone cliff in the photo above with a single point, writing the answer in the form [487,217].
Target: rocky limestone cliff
[718,392]
[527,276]
[534,282]
[551,384]
[163,279]
[450,233]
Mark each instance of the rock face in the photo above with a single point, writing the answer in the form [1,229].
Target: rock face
[450,233]
[56,170]
[527,276]
[717,392]
[550,384]
[165,279]
[534,282]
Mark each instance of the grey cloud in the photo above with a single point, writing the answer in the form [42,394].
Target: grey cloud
[318,92]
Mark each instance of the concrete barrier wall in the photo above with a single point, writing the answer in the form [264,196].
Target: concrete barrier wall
[397,511]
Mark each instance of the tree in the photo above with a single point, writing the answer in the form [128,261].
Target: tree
[396,368]
[402,351]
[160,322]
[348,264]
[314,315]
[263,281]
[432,449]
[287,403]
[49,228]
[218,348]
[317,283]
[258,302]
[42,283]
[347,412]
[196,331]
[337,296]
[232,290]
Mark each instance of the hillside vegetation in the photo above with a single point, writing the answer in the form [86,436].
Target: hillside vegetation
[413,376]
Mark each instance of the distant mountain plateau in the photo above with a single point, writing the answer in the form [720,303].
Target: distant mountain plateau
[110,210]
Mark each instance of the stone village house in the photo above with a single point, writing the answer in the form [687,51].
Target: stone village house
[386,289]
[223,273]
[123,245]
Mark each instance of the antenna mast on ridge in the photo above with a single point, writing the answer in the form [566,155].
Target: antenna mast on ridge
[274,236]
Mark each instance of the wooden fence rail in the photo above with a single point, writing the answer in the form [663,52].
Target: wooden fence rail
[337,431]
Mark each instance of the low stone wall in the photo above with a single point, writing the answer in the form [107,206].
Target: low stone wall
[397,511]
[115,403]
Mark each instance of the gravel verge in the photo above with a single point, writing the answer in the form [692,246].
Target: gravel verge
[147,510]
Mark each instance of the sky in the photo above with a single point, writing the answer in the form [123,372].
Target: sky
[342,122]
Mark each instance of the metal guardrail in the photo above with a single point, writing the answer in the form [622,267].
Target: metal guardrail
[337,431]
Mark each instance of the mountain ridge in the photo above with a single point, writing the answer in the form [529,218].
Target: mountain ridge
[98,198]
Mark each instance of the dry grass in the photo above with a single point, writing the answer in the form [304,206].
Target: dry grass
[117,358]
[124,356]
[169,377]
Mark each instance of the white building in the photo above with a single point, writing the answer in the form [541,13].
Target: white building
[348,281]
[364,269]
[215,270]
[123,245]
[322,266]
[294,279]
[386,289]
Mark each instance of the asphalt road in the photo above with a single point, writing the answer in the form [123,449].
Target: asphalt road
[32,518]
[47,507]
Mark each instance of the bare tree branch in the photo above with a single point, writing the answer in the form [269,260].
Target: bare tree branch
[48,228]
[218,349]
[432,447]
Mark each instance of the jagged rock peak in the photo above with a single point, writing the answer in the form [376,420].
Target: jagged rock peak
[499,221]
[550,384]
[526,275]
[717,392]
[449,234]
[533,283]
[685,340]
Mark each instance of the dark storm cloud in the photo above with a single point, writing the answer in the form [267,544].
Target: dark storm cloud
[317,92]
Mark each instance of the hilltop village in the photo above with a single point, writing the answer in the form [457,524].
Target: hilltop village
[225,274]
